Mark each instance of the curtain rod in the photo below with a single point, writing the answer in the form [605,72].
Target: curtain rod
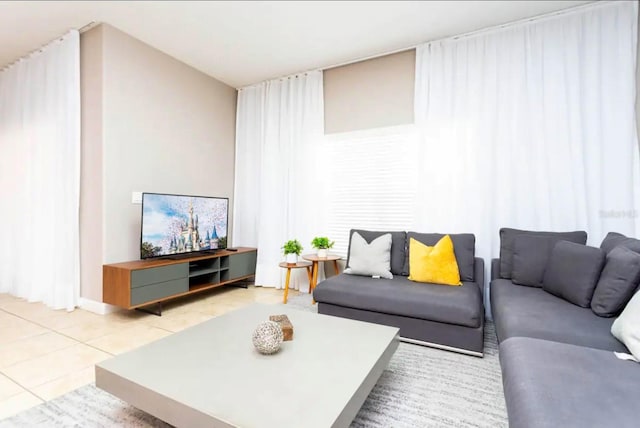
[33,51]
[543,17]
[88,27]
[80,30]
[548,15]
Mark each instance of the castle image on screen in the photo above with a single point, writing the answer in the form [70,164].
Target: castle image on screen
[174,224]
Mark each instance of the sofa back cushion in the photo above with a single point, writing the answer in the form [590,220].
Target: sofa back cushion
[614,239]
[530,258]
[398,242]
[618,281]
[507,236]
[573,271]
[464,246]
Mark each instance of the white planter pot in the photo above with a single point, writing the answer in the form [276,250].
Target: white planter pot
[322,252]
[291,258]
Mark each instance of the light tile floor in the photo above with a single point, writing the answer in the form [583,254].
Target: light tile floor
[46,353]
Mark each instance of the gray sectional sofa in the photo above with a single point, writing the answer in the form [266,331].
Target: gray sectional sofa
[436,315]
[557,359]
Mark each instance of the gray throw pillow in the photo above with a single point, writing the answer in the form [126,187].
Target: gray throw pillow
[618,280]
[530,257]
[614,239]
[464,247]
[370,259]
[508,235]
[573,271]
[398,242]
[626,328]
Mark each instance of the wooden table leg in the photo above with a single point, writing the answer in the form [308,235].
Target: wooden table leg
[310,276]
[335,266]
[314,280]
[286,285]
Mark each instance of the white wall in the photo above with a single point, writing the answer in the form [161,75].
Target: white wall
[166,128]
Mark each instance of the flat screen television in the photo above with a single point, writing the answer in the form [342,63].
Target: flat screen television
[173,225]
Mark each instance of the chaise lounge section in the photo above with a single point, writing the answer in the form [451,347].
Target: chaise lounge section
[436,315]
[557,358]
[555,384]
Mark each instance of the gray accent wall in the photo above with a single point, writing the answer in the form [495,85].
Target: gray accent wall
[154,124]
[370,94]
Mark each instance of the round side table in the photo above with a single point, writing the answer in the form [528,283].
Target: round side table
[314,270]
[290,266]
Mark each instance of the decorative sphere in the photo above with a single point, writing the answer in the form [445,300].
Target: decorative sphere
[268,337]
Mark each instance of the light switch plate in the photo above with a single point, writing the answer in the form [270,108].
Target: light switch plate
[136,197]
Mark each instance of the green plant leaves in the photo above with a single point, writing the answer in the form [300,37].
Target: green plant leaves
[292,246]
[321,242]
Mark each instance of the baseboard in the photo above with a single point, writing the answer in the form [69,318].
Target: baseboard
[99,308]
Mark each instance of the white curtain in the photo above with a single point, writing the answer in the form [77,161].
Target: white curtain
[278,184]
[40,174]
[531,126]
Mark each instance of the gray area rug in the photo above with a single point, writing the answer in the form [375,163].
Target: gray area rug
[422,387]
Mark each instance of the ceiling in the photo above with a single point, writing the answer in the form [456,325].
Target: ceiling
[241,43]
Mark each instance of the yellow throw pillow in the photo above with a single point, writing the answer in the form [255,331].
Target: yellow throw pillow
[435,264]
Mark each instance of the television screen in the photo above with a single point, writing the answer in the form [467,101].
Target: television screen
[177,224]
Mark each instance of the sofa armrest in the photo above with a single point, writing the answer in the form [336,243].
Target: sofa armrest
[495,269]
[478,273]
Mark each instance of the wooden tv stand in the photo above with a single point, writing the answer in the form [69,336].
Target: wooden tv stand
[134,284]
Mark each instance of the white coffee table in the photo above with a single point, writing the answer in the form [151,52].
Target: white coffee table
[210,375]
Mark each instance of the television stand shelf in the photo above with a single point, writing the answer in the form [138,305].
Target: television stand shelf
[140,283]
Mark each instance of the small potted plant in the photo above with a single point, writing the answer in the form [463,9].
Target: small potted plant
[292,250]
[322,244]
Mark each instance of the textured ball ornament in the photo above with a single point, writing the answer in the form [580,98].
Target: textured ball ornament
[268,337]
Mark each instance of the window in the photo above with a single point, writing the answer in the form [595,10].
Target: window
[371,182]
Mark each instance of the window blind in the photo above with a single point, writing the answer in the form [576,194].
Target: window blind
[371,182]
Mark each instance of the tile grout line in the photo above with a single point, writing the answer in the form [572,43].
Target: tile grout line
[21,386]
[58,378]
[236,299]
[37,356]
[48,330]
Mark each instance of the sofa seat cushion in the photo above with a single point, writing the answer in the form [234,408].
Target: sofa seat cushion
[520,311]
[550,384]
[399,296]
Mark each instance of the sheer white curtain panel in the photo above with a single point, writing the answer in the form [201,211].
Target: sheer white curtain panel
[531,126]
[278,184]
[40,175]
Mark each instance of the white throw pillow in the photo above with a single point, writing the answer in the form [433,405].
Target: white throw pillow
[372,259]
[626,328]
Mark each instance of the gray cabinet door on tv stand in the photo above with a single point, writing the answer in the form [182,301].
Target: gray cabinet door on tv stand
[140,283]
